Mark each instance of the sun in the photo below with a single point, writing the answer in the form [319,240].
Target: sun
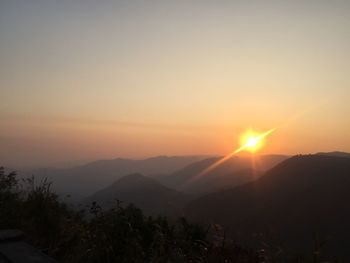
[253,141]
[250,141]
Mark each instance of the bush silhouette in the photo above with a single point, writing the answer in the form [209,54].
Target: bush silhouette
[121,234]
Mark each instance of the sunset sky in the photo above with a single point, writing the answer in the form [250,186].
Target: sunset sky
[86,80]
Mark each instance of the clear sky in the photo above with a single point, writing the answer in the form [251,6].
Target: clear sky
[84,80]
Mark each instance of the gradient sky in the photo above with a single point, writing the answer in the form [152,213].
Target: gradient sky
[84,80]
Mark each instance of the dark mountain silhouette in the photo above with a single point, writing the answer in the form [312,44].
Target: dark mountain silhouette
[84,180]
[299,196]
[336,154]
[144,192]
[233,172]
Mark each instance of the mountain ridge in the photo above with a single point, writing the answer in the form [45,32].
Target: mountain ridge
[144,192]
[93,176]
[303,194]
[233,172]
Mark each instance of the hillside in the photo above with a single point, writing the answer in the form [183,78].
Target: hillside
[86,179]
[335,154]
[298,197]
[233,172]
[144,192]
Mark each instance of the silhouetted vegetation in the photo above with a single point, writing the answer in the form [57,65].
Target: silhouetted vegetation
[121,234]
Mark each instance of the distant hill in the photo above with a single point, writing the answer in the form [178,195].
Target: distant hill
[299,196]
[144,192]
[233,172]
[86,179]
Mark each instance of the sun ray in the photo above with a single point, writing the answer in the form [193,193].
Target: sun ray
[250,142]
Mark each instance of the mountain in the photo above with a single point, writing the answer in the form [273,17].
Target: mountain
[299,196]
[336,154]
[86,179]
[144,192]
[235,171]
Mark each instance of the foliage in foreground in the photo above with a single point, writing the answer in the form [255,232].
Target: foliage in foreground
[121,234]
